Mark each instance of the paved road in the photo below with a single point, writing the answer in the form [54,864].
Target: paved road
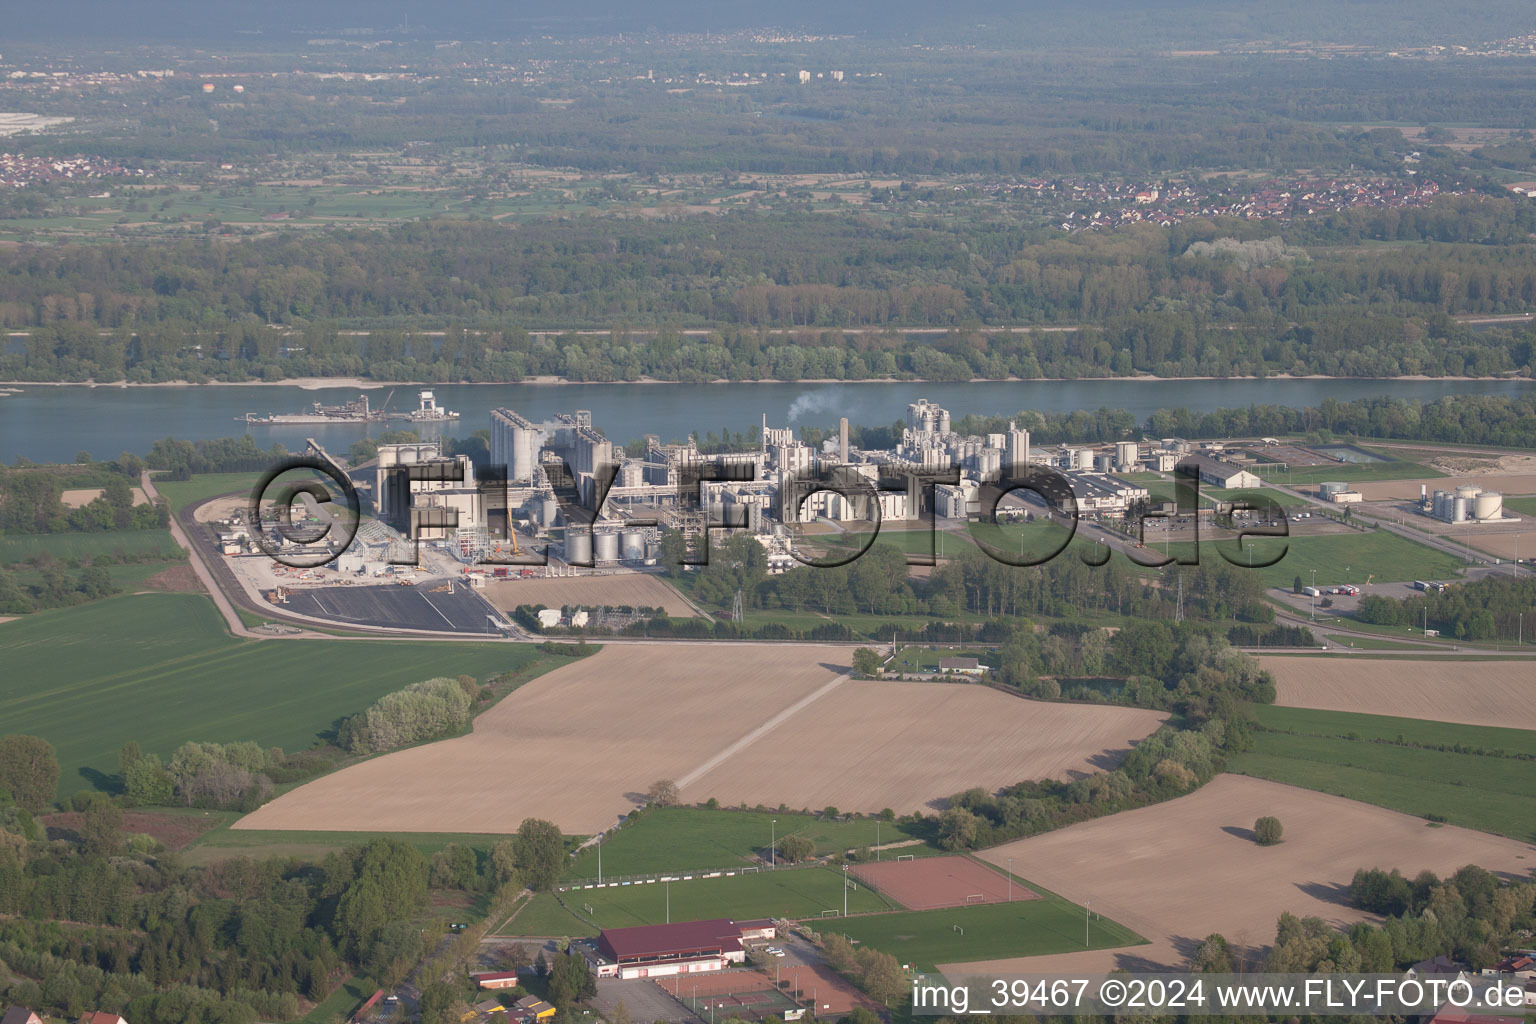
[220,600]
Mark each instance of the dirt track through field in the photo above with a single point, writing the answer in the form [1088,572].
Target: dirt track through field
[1496,693]
[1177,871]
[907,746]
[634,589]
[754,723]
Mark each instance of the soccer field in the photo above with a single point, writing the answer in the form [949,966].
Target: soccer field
[989,931]
[793,893]
[671,839]
[160,669]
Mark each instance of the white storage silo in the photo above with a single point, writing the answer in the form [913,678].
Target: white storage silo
[607,547]
[578,546]
[1488,505]
[632,545]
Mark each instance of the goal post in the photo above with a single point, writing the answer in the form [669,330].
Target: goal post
[959,929]
[975,897]
[906,856]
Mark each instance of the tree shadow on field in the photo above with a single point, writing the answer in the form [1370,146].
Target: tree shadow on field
[837,670]
[1329,892]
[102,781]
[638,799]
[1240,832]
[1108,760]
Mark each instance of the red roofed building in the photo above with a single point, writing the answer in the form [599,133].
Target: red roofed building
[657,950]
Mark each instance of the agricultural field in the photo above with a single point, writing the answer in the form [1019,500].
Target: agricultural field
[149,544]
[1524,506]
[1510,483]
[1032,927]
[795,893]
[1483,783]
[668,839]
[755,725]
[1170,870]
[82,678]
[578,747]
[633,589]
[1501,693]
[1347,557]
[908,746]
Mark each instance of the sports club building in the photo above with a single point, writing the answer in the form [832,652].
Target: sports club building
[663,950]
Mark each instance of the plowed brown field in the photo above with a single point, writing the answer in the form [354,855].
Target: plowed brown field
[754,723]
[635,589]
[1178,871]
[907,746]
[1497,693]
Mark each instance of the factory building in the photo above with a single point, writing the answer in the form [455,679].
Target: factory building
[424,494]
[515,443]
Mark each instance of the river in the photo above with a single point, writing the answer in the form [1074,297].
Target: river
[53,423]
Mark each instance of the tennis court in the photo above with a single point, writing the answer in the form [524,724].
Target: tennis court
[748,995]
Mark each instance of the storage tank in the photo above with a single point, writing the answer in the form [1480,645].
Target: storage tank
[632,545]
[548,508]
[1468,491]
[1488,505]
[1331,487]
[1459,509]
[1442,505]
[578,547]
[607,547]
[1127,453]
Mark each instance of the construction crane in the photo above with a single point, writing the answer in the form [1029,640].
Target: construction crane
[384,411]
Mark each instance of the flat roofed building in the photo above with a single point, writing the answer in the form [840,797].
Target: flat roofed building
[651,951]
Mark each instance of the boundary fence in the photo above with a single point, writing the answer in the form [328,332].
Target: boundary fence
[611,881]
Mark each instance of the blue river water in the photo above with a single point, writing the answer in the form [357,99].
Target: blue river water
[52,423]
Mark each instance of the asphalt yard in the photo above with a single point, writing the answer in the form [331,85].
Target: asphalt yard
[397,606]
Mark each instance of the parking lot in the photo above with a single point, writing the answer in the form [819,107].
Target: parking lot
[420,607]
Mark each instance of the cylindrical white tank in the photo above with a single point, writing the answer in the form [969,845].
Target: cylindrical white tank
[1331,487]
[1459,509]
[1488,505]
[1468,491]
[1127,452]
[578,546]
[607,547]
[632,545]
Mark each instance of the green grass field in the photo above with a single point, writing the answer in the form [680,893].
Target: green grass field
[1339,558]
[927,938]
[789,892]
[159,669]
[690,838]
[926,657]
[1303,476]
[19,547]
[1256,495]
[342,1003]
[544,916]
[181,493]
[1524,506]
[1371,758]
